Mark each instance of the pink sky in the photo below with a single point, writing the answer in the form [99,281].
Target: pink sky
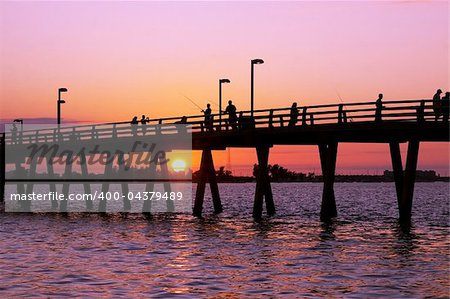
[120,59]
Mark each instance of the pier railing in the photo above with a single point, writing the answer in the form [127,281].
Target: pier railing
[306,116]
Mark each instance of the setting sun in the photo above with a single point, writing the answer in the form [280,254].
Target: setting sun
[178,165]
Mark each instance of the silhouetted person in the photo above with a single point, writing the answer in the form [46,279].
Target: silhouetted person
[445,102]
[134,122]
[379,108]
[208,118]
[144,121]
[14,134]
[437,105]
[232,116]
[183,120]
[293,115]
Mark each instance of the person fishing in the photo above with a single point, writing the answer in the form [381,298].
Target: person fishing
[293,115]
[232,116]
[437,108]
[208,117]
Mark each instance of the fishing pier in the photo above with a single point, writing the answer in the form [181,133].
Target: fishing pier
[325,126]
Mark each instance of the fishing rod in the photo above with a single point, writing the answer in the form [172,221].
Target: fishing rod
[342,102]
[192,101]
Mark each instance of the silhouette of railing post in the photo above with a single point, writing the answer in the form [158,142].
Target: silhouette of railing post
[210,124]
[263,188]
[93,135]
[304,116]
[271,118]
[2,166]
[114,131]
[421,112]
[328,155]
[311,119]
[158,127]
[206,173]
[341,114]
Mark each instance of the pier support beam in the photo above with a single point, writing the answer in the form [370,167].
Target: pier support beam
[149,187]
[162,161]
[51,185]
[26,207]
[263,188]
[66,185]
[123,185]
[207,173]
[405,180]
[397,168]
[108,158]
[328,155]
[86,185]
[409,180]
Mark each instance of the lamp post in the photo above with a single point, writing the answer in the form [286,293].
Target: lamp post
[60,90]
[254,61]
[220,99]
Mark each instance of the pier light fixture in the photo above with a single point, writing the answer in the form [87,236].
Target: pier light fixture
[252,80]
[60,90]
[221,81]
